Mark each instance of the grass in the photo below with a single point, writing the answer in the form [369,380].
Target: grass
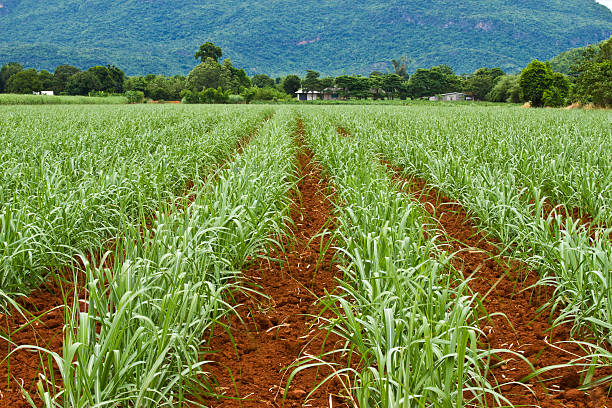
[20,99]
[406,319]
[72,181]
[140,195]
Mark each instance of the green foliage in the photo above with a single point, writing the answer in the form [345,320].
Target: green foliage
[6,72]
[264,94]
[211,95]
[46,80]
[594,75]
[542,87]
[235,99]
[211,74]
[163,88]
[135,96]
[267,36]
[429,82]
[506,90]
[482,81]
[312,82]
[24,82]
[263,81]
[61,76]
[82,83]
[25,99]
[291,84]
[110,78]
[209,50]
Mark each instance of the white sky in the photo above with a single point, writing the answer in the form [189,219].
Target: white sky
[606,3]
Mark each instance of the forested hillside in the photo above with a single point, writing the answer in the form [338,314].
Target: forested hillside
[282,36]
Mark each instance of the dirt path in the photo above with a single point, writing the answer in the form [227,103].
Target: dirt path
[502,285]
[279,328]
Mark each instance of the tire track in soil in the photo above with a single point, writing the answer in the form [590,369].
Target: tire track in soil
[45,307]
[532,335]
[280,328]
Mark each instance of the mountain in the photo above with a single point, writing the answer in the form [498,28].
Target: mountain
[287,36]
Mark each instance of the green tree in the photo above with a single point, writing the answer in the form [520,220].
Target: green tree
[107,83]
[291,84]
[82,83]
[61,76]
[392,85]
[6,72]
[482,81]
[426,82]
[263,81]
[535,79]
[46,80]
[135,96]
[211,95]
[312,82]
[400,67]
[594,75]
[209,50]
[209,74]
[505,90]
[239,80]
[136,83]
[24,82]
[118,78]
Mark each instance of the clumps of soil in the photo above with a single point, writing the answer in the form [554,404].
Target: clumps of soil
[506,287]
[273,331]
[42,327]
[343,132]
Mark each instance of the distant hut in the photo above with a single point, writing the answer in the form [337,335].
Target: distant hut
[307,95]
[328,94]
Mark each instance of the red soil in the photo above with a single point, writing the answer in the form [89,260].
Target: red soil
[45,311]
[281,328]
[503,285]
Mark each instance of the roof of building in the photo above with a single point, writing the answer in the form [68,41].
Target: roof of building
[300,91]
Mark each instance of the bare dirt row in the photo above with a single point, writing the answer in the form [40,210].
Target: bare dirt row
[506,287]
[271,332]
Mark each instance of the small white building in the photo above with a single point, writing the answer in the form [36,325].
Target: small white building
[451,96]
[307,95]
[328,94]
[48,93]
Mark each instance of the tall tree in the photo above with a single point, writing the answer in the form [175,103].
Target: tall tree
[291,84]
[239,78]
[118,78]
[24,82]
[61,76]
[400,67]
[209,74]
[540,86]
[209,50]
[263,81]
[594,75]
[46,80]
[82,83]
[482,81]
[312,82]
[6,72]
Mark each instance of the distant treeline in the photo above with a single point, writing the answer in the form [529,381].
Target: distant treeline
[589,81]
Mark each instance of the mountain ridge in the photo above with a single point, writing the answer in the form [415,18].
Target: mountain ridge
[281,36]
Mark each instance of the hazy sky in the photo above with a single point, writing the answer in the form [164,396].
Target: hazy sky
[606,2]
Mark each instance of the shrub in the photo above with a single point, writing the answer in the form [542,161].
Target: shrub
[135,96]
